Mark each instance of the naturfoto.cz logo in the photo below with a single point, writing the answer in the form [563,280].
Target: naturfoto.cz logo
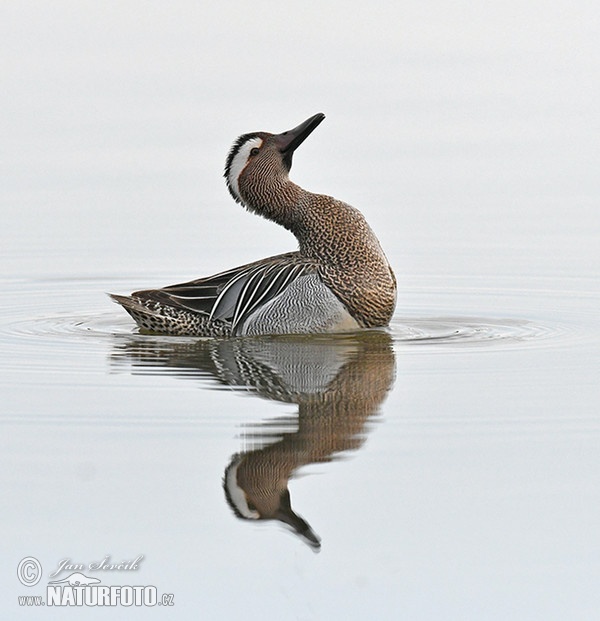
[79,589]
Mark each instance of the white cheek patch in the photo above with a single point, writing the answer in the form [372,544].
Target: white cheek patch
[239,163]
[237,494]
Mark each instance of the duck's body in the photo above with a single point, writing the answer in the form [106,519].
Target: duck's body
[338,280]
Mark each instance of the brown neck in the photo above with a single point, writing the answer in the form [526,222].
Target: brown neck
[277,201]
[336,236]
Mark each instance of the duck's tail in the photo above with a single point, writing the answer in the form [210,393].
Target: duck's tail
[152,316]
[147,318]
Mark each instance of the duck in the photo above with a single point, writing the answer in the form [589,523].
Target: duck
[338,280]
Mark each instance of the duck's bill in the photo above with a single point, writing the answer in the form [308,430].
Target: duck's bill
[290,140]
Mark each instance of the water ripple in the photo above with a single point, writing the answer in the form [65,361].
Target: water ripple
[36,312]
[476,332]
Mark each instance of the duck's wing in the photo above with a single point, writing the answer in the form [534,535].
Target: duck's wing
[232,296]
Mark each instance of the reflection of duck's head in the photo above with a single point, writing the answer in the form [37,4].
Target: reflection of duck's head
[263,495]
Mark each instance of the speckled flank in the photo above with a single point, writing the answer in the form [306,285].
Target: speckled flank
[289,312]
[348,282]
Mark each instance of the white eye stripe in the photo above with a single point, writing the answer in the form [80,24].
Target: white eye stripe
[239,163]
[237,494]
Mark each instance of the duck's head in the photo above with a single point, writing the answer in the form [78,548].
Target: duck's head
[261,494]
[259,161]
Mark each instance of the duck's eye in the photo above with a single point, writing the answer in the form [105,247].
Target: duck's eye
[255,151]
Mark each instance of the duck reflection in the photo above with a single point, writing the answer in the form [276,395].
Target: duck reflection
[338,383]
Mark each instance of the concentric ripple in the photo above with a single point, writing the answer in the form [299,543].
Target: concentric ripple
[70,327]
[475,331]
[62,318]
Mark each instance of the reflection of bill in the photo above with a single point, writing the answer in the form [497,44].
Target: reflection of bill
[255,492]
[337,381]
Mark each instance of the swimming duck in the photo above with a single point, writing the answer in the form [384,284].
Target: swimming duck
[338,280]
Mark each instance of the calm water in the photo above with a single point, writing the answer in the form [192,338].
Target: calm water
[446,468]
